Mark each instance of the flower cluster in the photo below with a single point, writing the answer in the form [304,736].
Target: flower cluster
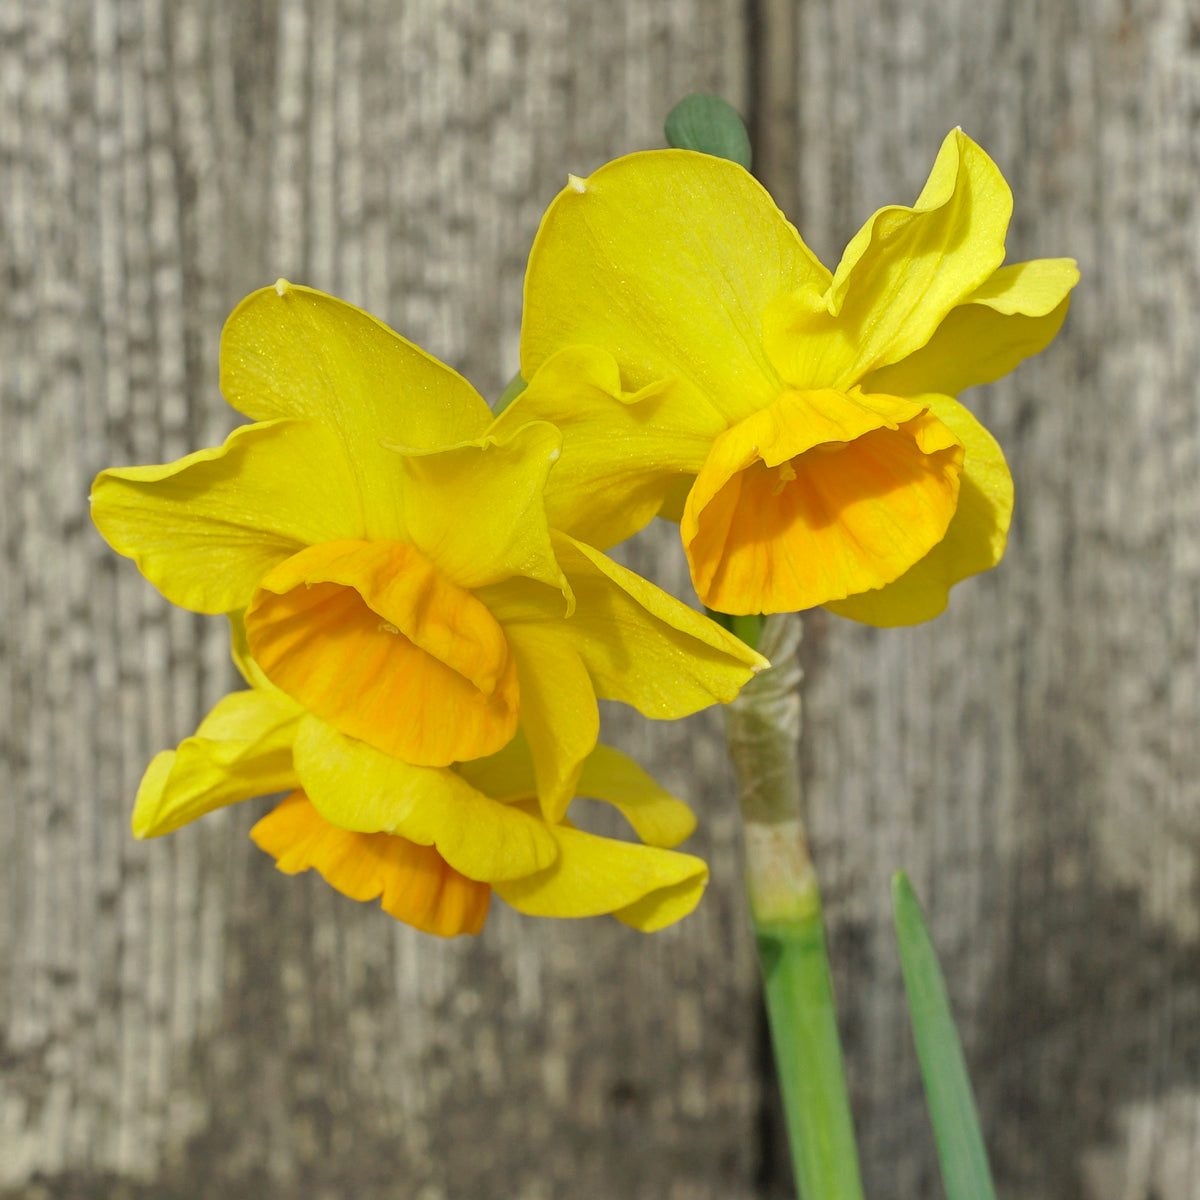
[802,426]
[424,650]
[417,590]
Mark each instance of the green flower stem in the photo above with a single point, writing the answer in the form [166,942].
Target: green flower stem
[808,1057]
[763,726]
[512,389]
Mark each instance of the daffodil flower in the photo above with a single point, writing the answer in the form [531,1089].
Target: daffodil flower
[701,363]
[433,843]
[392,555]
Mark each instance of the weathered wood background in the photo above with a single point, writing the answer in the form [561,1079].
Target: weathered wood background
[180,1021]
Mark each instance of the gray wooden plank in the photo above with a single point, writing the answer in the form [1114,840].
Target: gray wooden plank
[179,1019]
[1031,757]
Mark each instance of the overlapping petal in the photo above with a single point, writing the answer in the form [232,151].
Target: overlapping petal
[370,637]
[205,529]
[431,843]
[643,886]
[415,883]
[666,259]
[817,497]
[622,450]
[657,817]
[626,640]
[243,748]
[559,714]
[356,787]
[646,648]
[540,868]
[974,540]
[899,276]
[1011,316]
[290,351]
[483,516]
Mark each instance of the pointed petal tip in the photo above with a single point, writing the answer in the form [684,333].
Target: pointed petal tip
[282,286]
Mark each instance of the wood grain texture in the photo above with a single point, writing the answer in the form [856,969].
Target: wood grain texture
[1031,757]
[178,1020]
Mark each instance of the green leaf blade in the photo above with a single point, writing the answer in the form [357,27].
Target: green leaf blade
[961,1150]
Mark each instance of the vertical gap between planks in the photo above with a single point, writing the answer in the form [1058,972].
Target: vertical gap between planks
[773,120]
[774,98]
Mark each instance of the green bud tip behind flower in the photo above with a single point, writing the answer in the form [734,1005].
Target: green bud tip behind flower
[710,125]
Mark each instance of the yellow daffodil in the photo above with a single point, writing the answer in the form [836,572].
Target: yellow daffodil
[433,843]
[392,555]
[701,363]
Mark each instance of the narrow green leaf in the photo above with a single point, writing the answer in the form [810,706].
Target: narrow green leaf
[965,1170]
[710,125]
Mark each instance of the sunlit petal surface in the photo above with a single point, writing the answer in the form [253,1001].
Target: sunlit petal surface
[670,310]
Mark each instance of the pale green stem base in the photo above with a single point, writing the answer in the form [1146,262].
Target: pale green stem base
[763,725]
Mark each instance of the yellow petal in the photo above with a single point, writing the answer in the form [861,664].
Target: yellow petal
[622,451]
[663,906]
[247,668]
[608,775]
[1033,289]
[418,886]
[626,640]
[242,748]
[506,775]
[290,351]
[974,540]
[667,260]
[559,716]
[205,529]
[657,817]
[899,276]
[676,499]
[642,885]
[370,637]
[644,647]
[477,511]
[359,788]
[1013,315]
[818,497]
